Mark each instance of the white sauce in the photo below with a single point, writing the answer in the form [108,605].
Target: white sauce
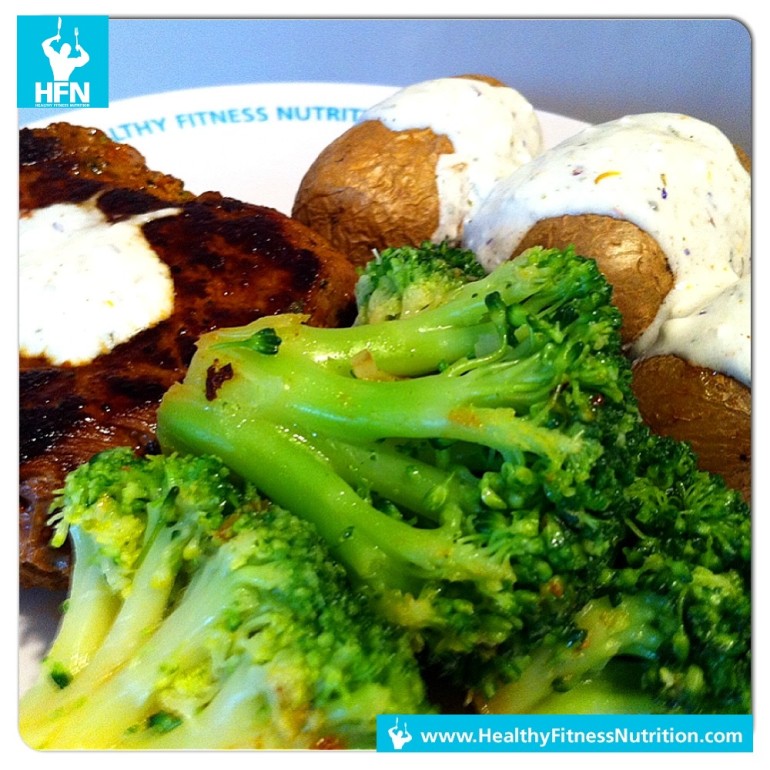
[493,130]
[716,335]
[675,177]
[85,284]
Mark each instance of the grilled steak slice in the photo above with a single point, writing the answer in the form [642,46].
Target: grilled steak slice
[230,261]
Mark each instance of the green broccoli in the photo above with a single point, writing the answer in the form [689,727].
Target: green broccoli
[676,601]
[221,621]
[400,282]
[479,467]
[613,689]
[675,662]
[446,457]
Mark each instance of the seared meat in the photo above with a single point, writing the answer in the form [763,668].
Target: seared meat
[230,262]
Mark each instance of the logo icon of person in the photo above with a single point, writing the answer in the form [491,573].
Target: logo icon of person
[398,736]
[62,64]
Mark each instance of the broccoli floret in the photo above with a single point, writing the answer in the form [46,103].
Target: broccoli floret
[133,522]
[400,282]
[684,665]
[452,459]
[676,600]
[230,626]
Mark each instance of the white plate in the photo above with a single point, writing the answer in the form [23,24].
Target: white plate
[252,142]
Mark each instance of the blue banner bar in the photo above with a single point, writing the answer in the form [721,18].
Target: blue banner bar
[564,733]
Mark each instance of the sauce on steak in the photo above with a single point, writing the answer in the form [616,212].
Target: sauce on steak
[230,261]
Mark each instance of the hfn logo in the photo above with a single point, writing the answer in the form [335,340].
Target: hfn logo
[67,68]
[62,66]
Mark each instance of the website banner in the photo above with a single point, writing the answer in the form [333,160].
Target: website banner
[564,733]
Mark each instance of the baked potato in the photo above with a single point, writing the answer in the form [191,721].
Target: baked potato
[662,203]
[710,410]
[415,164]
[693,383]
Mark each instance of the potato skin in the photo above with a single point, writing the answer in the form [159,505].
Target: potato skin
[372,188]
[631,260]
[488,79]
[710,410]
[743,157]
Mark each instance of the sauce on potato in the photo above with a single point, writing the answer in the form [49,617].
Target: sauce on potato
[678,180]
[493,130]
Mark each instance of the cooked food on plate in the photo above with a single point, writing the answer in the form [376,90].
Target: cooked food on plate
[660,200]
[469,431]
[415,165]
[120,271]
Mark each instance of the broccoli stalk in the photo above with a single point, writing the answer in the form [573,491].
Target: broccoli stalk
[235,628]
[678,670]
[603,631]
[450,474]
[612,690]
[84,625]
[377,546]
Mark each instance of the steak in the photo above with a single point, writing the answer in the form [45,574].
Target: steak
[230,262]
